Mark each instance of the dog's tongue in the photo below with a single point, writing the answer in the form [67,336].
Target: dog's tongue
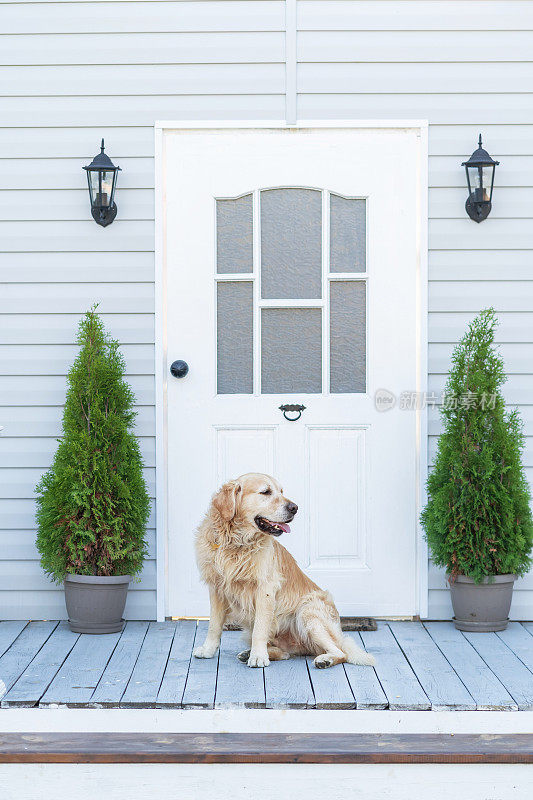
[284,527]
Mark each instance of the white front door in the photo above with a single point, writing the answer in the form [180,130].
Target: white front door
[290,262]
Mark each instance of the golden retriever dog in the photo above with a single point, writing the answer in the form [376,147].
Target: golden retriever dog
[254,581]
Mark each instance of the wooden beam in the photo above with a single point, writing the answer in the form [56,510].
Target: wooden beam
[271,748]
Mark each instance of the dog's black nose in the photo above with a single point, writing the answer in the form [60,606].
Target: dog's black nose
[292,508]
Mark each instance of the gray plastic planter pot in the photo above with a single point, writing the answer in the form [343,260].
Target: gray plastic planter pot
[95,604]
[482,606]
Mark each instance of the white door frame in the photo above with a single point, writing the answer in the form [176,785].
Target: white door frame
[161,360]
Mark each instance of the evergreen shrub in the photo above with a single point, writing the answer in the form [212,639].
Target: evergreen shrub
[478,519]
[92,505]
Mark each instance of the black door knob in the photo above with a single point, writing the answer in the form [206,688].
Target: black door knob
[179,369]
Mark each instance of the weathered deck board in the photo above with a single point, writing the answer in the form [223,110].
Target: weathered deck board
[287,684]
[514,675]
[395,674]
[487,691]
[269,748]
[364,683]
[78,677]
[145,681]
[173,683]
[117,673]
[36,678]
[8,633]
[232,673]
[150,665]
[438,680]
[22,652]
[331,687]
[202,678]
[520,642]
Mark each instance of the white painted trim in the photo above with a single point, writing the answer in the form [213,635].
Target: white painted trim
[422,378]
[123,720]
[302,123]
[422,305]
[161,500]
[291,62]
[228,781]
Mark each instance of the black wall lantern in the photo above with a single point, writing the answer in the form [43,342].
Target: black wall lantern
[480,169]
[102,180]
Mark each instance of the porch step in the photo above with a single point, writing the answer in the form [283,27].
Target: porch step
[266,748]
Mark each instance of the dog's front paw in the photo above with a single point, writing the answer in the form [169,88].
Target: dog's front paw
[258,659]
[204,651]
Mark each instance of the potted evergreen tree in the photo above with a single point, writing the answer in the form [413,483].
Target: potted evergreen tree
[478,520]
[92,505]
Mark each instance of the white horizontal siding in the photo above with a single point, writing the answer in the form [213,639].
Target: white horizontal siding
[45,421]
[466,67]
[73,73]
[64,205]
[443,108]
[50,603]
[19,545]
[148,79]
[19,514]
[517,356]
[42,173]
[20,482]
[57,359]
[77,71]
[251,47]
[435,79]
[26,575]
[20,453]
[135,17]
[26,328]
[49,390]
[425,46]
[412,15]
[41,142]
[138,109]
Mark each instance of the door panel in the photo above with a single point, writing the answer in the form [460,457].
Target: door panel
[290,261]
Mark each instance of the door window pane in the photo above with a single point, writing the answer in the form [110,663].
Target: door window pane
[234,235]
[291,350]
[347,251]
[347,336]
[234,337]
[291,243]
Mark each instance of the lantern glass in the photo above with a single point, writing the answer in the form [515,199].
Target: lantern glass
[480,178]
[101,183]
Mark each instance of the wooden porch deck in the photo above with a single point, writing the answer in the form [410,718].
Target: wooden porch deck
[420,666]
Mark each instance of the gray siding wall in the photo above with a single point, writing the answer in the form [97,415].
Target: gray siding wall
[76,71]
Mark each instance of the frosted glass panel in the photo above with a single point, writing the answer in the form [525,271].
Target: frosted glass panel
[347,336]
[347,234]
[234,235]
[234,337]
[291,350]
[291,243]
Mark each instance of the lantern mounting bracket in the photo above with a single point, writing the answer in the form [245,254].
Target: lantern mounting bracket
[477,211]
[104,216]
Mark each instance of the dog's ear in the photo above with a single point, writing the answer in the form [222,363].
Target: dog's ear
[225,500]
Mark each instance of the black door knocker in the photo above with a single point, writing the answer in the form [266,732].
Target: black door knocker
[292,408]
